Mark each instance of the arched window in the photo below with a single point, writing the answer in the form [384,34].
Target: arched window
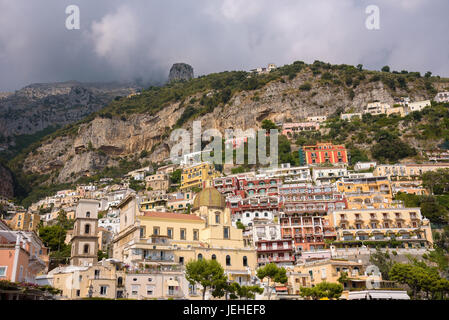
[88,214]
[228,260]
[245,261]
[86,248]
[200,256]
[119,281]
[214,257]
[87,229]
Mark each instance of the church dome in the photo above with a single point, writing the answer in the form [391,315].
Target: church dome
[209,197]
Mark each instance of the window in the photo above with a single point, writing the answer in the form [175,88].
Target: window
[214,257]
[87,229]
[86,248]
[217,218]
[228,260]
[97,274]
[181,260]
[245,261]
[195,234]
[150,290]
[183,234]
[3,271]
[88,214]
[78,293]
[119,281]
[226,232]
[192,289]
[156,231]
[103,290]
[170,233]
[134,289]
[142,232]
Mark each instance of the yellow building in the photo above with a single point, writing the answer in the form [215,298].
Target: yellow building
[25,221]
[407,170]
[105,280]
[409,186]
[396,110]
[405,225]
[354,273]
[195,175]
[156,202]
[367,192]
[207,233]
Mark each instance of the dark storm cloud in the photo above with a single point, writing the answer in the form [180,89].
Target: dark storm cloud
[125,40]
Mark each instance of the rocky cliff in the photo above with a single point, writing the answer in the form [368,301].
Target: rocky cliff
[39,106]
[103,141]
[6,183]
[180,71]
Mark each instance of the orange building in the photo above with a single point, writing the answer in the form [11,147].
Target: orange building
[323,153]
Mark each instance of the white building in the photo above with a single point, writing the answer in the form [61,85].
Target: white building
[265,230]
[376,108]
[326,175]
[442,97]
[289,174]
[317,118]
[418,106]
[360,166]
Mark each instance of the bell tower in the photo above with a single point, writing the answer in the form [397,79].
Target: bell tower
[85,239]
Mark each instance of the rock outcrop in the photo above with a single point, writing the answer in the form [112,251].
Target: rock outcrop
[39,106]
[6,183]
[180,71]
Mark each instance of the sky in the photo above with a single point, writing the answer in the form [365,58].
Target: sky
[140,39]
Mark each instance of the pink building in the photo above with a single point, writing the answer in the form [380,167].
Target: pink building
[23,256]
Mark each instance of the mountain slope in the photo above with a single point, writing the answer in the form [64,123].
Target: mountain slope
[127,127]
[38,107]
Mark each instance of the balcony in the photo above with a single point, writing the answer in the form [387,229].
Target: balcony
[276,259]
[159,258]
[279,248]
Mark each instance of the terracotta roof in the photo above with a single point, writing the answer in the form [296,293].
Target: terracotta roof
[172,215]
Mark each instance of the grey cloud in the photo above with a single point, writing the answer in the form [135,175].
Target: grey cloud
[124,40]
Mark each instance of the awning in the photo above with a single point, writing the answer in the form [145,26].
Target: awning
[281,288]
[172,283]
[378,294]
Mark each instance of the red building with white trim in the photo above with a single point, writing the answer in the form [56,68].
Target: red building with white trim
[323,153]
[281,252]
[305,208]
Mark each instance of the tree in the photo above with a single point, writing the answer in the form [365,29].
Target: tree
[382,261]
[207,273]
[53,236]
[323,290]
[386,69]
[421,279]
[428,74]
[175,176]
[268,124]
[436,181]
[240,225]
[360,67]
[272,272]
[102,254]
